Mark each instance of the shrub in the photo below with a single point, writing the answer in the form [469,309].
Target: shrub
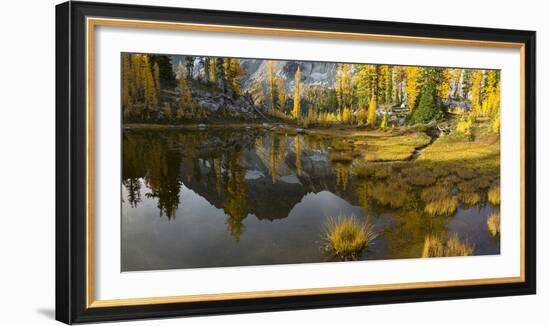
[347,236]
[464,126]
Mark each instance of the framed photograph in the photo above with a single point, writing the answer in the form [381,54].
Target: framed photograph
[222,162]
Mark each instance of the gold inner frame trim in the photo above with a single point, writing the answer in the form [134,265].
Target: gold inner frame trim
[92,22]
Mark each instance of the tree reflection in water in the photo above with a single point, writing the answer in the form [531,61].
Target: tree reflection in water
[261,175]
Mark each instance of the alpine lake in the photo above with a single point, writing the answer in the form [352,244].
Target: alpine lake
[258,195]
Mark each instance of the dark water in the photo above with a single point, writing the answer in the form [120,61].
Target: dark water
[253,197]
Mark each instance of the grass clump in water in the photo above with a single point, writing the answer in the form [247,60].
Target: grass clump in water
[422,180]
[434,193]
[493,224]
[470,198]
[434,246]
[441,206]
[380,171]
[476,184]
[347,237]
[493,195]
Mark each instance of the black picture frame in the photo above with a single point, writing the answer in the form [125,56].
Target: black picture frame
[71,156]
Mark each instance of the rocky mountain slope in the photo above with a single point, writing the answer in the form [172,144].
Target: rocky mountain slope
[313,73]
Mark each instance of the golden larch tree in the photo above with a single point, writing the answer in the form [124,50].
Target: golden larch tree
[297,91]
[371,113]
[414,81]
[475,92]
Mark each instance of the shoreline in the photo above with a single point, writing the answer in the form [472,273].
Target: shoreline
[336,130]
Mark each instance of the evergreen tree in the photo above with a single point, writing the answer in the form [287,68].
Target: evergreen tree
[185,101]
[126,95]
[272,88]
[156,78]
[150,93]
[205,65]
[281,93]
[427,109]
[297,89]
[220,74]
[444,83]
[466,83]
[233,74]
[166,70]
[189,64]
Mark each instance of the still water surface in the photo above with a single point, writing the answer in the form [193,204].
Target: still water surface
[254,197]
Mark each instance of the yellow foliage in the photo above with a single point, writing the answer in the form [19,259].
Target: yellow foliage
[344,86]
[477,78]
[465,125]
[384,123]
[444,86]
[413,79]
[297,88]
[371,113]
[346,115]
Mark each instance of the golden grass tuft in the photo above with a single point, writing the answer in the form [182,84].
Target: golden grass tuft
[434,193]
[421,179]
[493,223]
[457,247]
[466,173]
[493,195]
[434,246]
[469,198]
[347,237]
[475,184]
[441,206]
[380,171]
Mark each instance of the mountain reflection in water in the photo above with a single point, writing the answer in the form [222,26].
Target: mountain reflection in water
[253,197]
